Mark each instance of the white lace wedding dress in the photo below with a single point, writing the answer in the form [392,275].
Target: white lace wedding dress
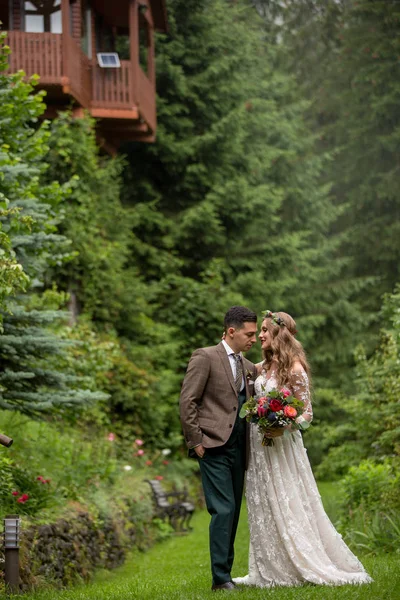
[292,540]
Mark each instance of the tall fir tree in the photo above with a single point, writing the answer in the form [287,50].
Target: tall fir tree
[232,190]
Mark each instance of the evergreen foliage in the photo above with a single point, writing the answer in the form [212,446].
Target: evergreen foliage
[230,194]
[364,92]
[121,339]
[344,55]
[349,72]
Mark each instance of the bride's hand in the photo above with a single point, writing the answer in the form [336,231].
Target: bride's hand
[275,432]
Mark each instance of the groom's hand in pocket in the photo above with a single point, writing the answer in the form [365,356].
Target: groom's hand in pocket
[199,450]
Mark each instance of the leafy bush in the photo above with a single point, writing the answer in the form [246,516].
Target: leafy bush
[21,491]
[376,533]
[370,509]
[370,486]
[87,465]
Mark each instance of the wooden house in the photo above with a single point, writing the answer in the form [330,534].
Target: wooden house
[94,55]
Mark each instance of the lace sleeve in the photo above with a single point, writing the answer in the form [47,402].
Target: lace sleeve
[300,386]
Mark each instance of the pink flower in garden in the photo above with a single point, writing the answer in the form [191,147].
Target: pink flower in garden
[139,442]
[159,477]
[165,462]
[111,437]
[23,498]
[15,493]
[42,479]
[149,463]
[285,392]
[140,452]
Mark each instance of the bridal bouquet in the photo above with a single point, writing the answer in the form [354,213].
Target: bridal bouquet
[277,408]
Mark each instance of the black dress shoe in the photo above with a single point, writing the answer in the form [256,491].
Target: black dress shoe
[229,586]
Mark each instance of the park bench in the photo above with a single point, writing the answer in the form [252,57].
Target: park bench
[173,506]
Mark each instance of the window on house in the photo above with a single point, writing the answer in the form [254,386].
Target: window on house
[43,15]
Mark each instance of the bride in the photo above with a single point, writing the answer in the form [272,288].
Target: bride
[292,540]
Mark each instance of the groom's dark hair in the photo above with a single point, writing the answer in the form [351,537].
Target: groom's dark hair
[237,316]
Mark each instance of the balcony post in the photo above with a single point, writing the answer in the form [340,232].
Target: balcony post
[65,41]
[134,49]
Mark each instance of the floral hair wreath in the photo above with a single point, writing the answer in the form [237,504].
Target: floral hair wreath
[276,320]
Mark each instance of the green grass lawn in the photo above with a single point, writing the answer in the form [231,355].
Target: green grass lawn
[178,569]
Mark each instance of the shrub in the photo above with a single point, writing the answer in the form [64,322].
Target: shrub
[370,485]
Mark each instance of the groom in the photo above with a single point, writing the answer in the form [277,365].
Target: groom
[215,387]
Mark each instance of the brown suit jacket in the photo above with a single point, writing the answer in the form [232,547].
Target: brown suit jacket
[209,400]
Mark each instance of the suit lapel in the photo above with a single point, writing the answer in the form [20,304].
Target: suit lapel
[227,365]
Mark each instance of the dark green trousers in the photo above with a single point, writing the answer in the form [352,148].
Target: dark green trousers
[222,472]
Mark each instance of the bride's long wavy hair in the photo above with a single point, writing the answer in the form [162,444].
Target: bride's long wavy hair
[285,349]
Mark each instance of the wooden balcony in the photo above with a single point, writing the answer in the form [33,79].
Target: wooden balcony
[124,96]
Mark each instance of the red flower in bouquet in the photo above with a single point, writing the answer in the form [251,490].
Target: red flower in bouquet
[275,405]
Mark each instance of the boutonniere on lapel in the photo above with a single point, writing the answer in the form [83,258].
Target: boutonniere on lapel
[249,377]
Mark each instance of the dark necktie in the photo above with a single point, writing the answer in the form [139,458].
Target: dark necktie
[239,372]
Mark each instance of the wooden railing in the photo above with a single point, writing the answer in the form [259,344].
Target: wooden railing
[147,99]
[112,87]
[79,73]
[39,53]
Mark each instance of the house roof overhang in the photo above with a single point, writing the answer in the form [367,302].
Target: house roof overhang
[117,12]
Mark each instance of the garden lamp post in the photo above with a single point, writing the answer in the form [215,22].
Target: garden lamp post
[11,553]
[5,440]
